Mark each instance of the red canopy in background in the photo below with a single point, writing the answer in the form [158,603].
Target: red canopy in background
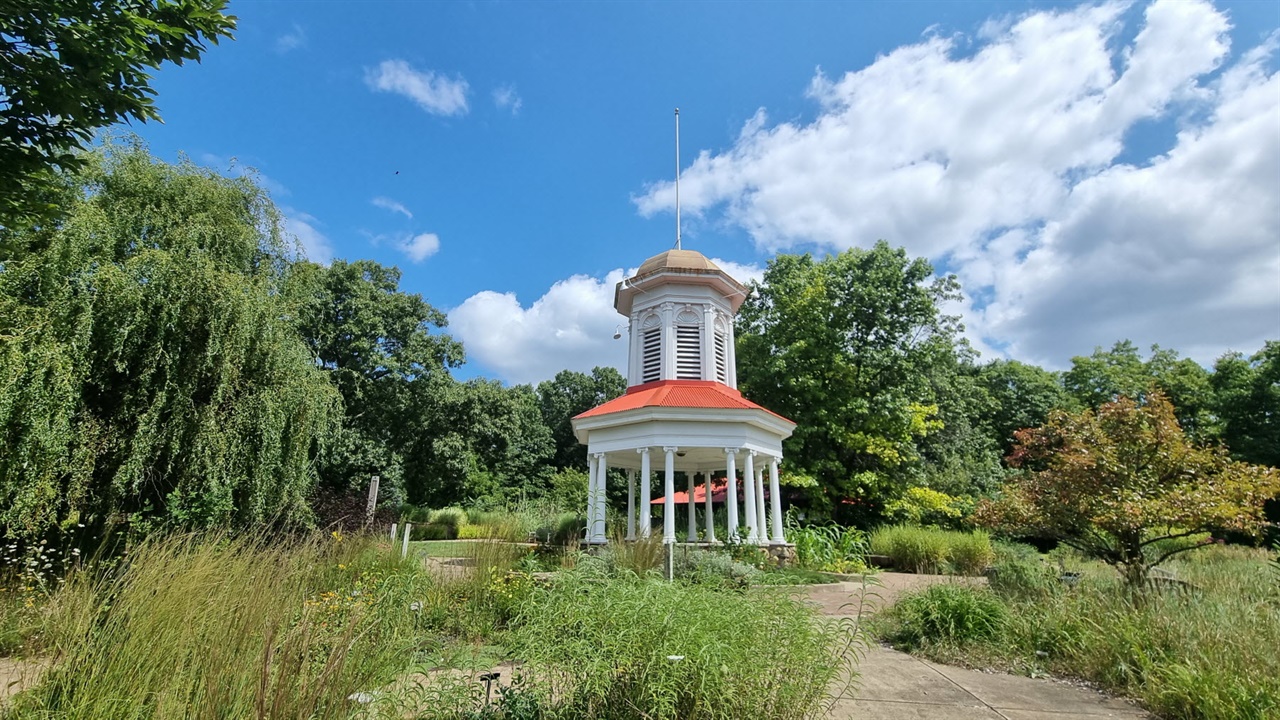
[719,491]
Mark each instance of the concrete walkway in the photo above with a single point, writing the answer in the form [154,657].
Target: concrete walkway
[896,686]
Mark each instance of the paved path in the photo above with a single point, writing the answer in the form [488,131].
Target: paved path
[897,686]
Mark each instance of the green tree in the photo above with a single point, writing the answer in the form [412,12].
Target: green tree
[68,67]
[1124,484]
[1109,374]
[1247,403]
[477,443]
[1022,397]
[384,351]
[146,366]
[850,347]
[571,393]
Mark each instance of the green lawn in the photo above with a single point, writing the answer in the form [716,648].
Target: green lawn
[443,548]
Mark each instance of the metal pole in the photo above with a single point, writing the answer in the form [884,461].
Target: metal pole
[677,178]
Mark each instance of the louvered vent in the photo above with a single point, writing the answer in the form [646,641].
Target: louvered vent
[688,355]
[722,358]
[651,352]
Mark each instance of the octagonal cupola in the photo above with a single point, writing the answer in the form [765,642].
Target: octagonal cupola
[680,308]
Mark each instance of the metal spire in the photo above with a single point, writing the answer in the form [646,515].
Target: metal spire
[677,178]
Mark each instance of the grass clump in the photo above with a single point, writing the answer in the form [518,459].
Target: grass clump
[830,548]
[639,648]
[947,614]
[199,626]
[933,551]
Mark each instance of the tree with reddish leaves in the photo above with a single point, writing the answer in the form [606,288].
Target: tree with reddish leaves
[1124,484]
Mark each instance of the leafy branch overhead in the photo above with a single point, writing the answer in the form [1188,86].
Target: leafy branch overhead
[69,67]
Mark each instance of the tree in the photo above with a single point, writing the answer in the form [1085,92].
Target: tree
[1022,397]
[1124,484]
[1247,403]
[571,393]
[849,347]
[1109,374]
[375,342]
[477,443]
[147,368]
[68,67]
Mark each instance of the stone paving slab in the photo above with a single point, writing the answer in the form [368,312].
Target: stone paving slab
[1012,692]
[896,686]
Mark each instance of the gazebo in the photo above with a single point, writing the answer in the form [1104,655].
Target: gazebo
[682,404]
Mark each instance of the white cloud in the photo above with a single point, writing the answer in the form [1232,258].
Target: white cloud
[419,247]
[433,92]
[302,226]
[506,98]
[388,204]
[1002,164]
[292,40]
[569,328]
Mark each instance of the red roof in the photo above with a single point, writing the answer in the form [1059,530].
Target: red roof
[677,394]
[719,492]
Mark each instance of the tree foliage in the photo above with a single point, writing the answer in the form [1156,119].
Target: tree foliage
[147,366]
[1123,480]
[68,67]
[851,348]
[376,343]
[571,393]
[1246,400]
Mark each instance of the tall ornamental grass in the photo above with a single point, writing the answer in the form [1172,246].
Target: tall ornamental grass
[204,627]
[930,550]
[641,648]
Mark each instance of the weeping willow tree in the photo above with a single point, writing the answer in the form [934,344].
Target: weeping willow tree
[150,365]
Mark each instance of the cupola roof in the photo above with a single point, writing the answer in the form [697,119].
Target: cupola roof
[679,266]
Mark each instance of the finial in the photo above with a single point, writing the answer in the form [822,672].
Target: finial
[677,178]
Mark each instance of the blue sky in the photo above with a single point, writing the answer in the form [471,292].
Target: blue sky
[1091,172]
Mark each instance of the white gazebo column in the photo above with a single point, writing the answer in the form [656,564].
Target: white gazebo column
[646,524]
[669,498]
[731,494]
[749,497]
[775,502]
[602,469]
[631,505]
[692,536]
[591,498]
[760,511]
[709,511]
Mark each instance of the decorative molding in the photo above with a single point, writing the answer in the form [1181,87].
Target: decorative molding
[670,449]
[643,450]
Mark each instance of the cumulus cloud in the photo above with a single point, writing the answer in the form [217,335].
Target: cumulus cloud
[506,98]
[419,247]
[388,204]
[315,245]
[1002,165]
[570,327]
[292,40]
[433,92]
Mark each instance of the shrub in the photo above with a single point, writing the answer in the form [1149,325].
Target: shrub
[831,547]
[1010,551]
[970,553]
[912,549]
[930,550]
[709,567]
[453,517]
[433,531]
[474,532]
[949,614]
[637,648]
[565,529]
[1024,579]
[927,507]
